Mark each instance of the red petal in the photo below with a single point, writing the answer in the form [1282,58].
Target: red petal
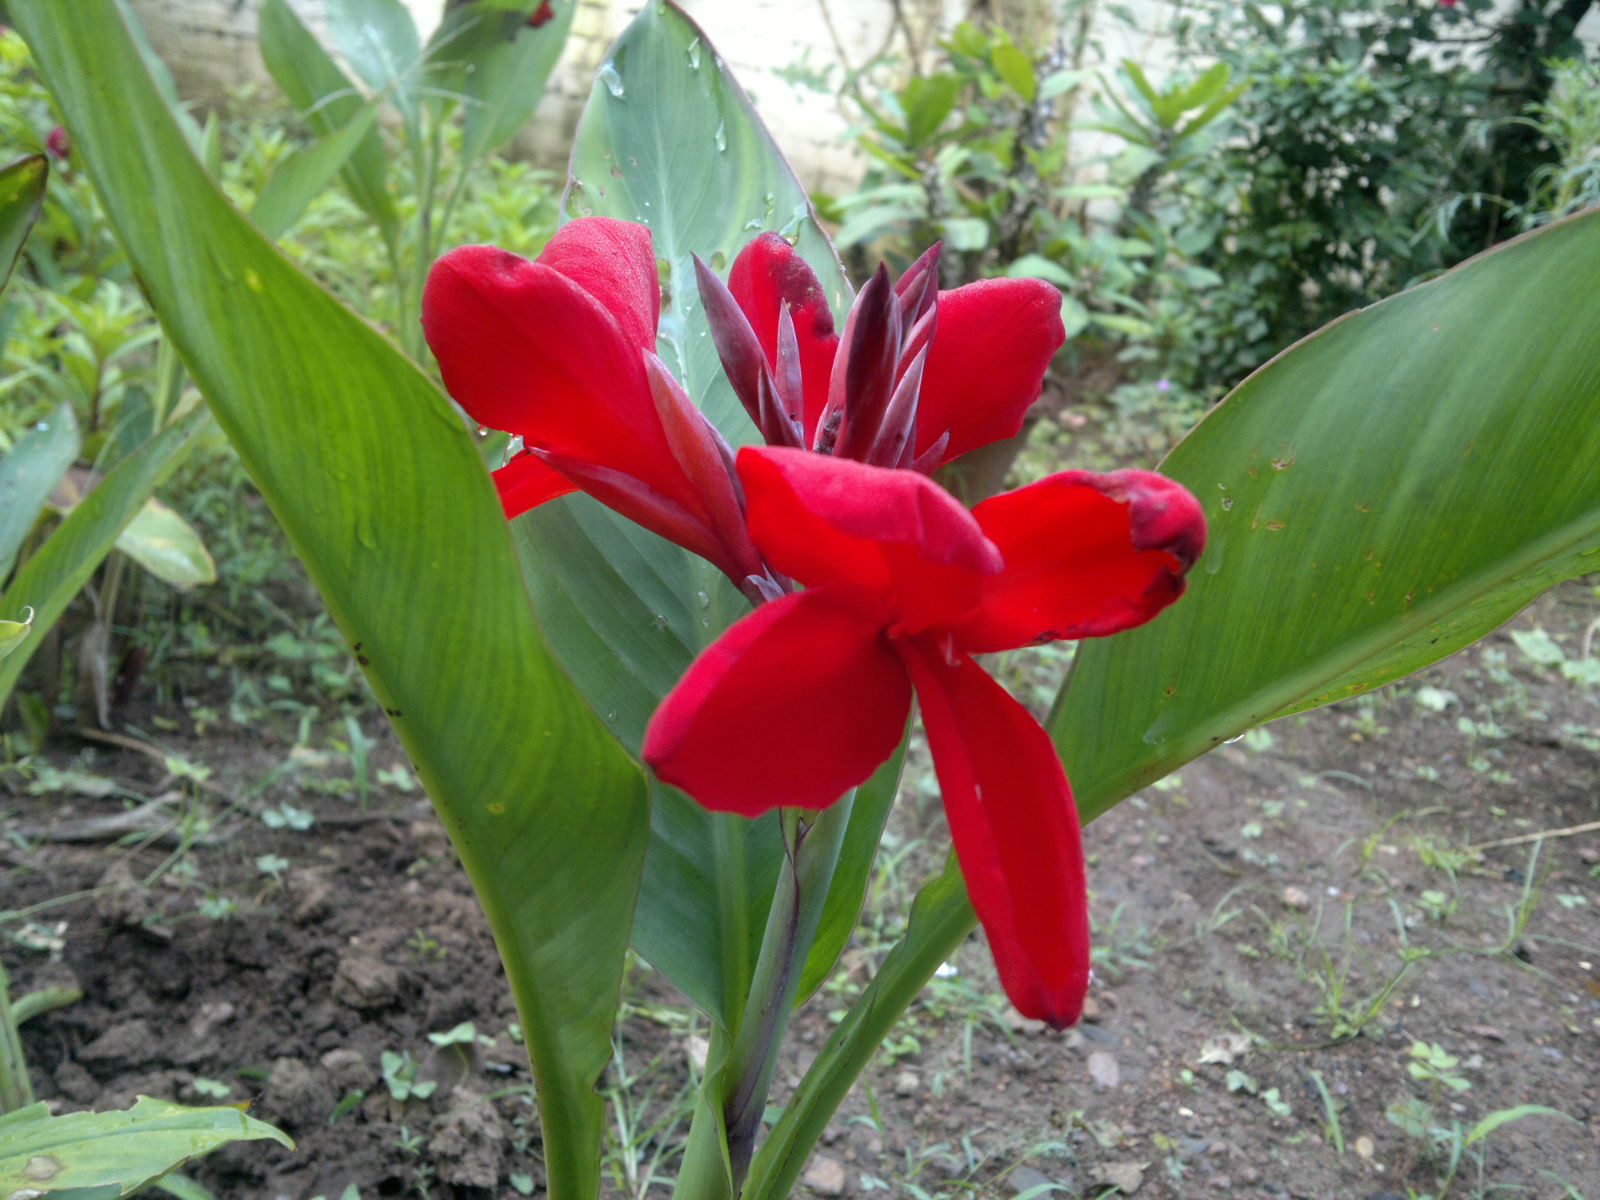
[895,534]
[615,262]
[793,706]
[769,274]
[525,483]
[523,347]
[1015,831]
[1086,555]
[995,340]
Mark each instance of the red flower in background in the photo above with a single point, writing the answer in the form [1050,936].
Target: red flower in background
[541,15]
[59,144]
[804,698]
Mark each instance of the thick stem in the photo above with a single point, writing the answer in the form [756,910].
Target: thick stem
[811,854]
[941,919]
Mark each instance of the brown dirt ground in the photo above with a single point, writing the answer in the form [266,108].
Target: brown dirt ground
[1218,1057]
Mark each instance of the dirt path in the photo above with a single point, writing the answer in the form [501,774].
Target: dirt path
[1310,983]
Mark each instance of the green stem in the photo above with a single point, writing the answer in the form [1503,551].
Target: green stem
[728,838]
[941,919]
[16,1090]
[811,852]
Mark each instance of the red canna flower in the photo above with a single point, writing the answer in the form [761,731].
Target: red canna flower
[804,698]
[59,145]
[561,352]
[541,15]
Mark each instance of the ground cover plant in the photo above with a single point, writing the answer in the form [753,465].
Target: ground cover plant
[1346,543]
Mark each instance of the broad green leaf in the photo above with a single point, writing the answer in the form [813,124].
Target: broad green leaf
[1016,68]
[379,40]
[306,175]
[668,139]
[167,546]
[382,494]
[1381,495]
[22,186]
[122,1152]
[328,100]
[57,571]
[28,474]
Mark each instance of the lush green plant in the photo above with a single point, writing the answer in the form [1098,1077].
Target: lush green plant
[1569,120]
[1377,143]
[1385,494]
[456,98]
[972,154]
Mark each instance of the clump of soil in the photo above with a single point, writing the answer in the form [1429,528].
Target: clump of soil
[1323,962]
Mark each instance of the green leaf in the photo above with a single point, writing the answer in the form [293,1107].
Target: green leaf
[309,172]
[1506,1115]
[1036,266]
[56,573]
[379,40]
[1016,68]
[505,64]
[121,1152]
[1383,494]
[28,474]
[167,546]
[328,100]
[383,495]
[12,633]
[1204,89]
[22,185]
[670,140]
[928,101]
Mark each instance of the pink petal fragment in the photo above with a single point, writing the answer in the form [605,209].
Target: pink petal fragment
[994,343]
[1086,555]
[796,704]
[1015,831]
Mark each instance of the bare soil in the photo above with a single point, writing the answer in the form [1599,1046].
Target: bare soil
[1280,926]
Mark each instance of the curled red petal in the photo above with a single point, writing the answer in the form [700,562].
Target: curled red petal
[615,262]
[994,343]
[1086,555]
[769,274]
[524,348]
[526,482]
[896,534]
[796,704]
[1015,830]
